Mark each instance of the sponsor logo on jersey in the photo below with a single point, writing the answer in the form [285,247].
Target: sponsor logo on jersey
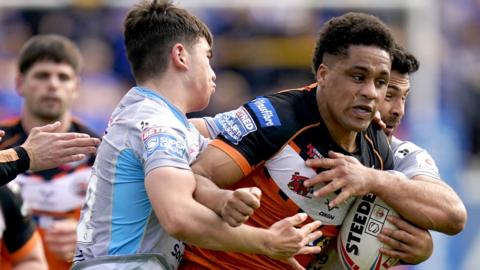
[160,139]
[312,152]
[296,185]
[266,114]
[234,125]
[424,161]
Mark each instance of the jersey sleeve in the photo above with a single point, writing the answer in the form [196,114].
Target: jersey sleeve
[163,145]
[257,130]
[19,227]
[13,162]
[412,160]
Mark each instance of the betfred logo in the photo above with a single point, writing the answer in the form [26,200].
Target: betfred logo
[296,185]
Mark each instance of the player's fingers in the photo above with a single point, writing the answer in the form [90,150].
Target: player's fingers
[312,237]
[322,177]
[80,142]
[238,210]
[256,192]
[322,163]
[340,198]
[399,235]
[309,250]
[393,253]
[333,186]
[77,150]
[71,158]
[233,221]
[309,231]
[392,242]
[72,136]
[47,128]
[248,199]
[402,224]
[296,219]
[294,264]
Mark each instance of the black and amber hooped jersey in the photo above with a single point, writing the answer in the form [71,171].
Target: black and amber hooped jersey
[270,138]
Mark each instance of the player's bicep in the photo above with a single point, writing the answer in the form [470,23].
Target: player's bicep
[168,188]
[219,167]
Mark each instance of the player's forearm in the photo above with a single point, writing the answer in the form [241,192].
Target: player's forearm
[209,194]
[13,162]
[197,225]
[427,203]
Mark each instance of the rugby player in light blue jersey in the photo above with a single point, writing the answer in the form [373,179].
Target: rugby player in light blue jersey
[139,205]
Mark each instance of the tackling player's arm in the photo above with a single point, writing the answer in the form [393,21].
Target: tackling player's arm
[190,221]
[426,202]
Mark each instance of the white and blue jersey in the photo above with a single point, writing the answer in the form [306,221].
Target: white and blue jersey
[412,160]
[117,220]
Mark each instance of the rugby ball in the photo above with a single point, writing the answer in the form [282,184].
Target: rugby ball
[357,243]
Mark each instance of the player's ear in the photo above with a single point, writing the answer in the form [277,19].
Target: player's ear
[321,74]
[19,83]
[179,56]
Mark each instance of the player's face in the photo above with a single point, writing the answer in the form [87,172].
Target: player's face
[49,89]
[392,108]
[351,87]
[202,75]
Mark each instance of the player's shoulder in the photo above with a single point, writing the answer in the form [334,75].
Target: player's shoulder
[14,133]
[404,148]
[11,125]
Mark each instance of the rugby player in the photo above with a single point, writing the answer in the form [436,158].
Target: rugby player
[140,207]
[47,80]
[265,142]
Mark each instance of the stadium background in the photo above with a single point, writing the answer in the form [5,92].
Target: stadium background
[265,45]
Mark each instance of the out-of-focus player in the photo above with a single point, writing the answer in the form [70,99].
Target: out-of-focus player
[20,244]
[139,206]
[48,78]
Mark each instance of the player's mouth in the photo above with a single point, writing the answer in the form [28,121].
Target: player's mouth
[363,111]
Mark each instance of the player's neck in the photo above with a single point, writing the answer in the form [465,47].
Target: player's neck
[30,121]
[171,90]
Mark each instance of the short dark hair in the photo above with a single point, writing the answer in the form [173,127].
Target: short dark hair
[151,30]
[403,61]
[51,47]
[352,28]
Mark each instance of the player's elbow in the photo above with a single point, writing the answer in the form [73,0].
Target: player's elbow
[458,219]
[176,225]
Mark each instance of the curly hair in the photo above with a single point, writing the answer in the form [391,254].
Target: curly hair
[151,30]
[403,61]
[352,28]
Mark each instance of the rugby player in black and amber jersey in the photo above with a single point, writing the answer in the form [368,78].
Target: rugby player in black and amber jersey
[273,158]
[48,81]
[20,244]
[268,139]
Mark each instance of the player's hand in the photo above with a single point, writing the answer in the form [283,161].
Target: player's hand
[408,243]
[240,205]
[48,149]
[377,120]
[61,238]
[342,172]
[287,240]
